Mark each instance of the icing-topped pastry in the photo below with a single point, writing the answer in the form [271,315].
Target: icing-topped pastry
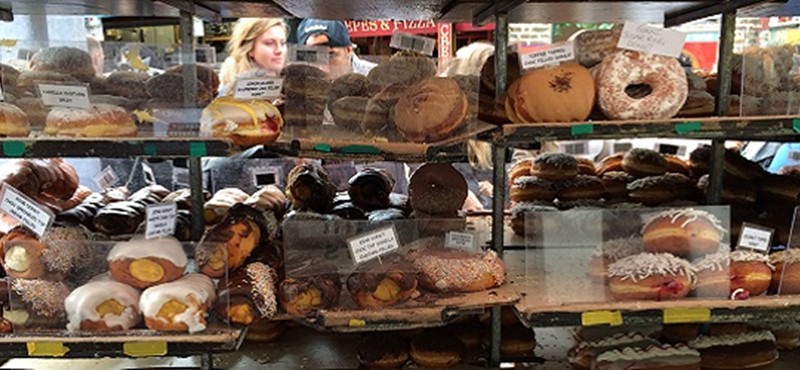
[584,353]
[719,261]
[102,305]
[178,305]
[683,232]
[789,256]
[143,263]
[686,216]
[650,276]
[741,255]
[639,354]
[167,248]
[249,295]
[704,341]
[616,249]
[644,265]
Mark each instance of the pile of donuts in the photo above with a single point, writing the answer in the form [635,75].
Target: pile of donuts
[682,346]
[636,178]
[681,252]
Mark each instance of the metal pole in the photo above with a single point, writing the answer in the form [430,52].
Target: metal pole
[196,186]
[499,176]
[722,104]
[206,361]
[188,59]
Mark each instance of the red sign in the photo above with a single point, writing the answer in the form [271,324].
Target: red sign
[444,37]
[387,28]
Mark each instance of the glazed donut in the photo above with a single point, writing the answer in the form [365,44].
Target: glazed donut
[663,356]
[615,184]
[180,305]
[144,263]
[437,188]
[383,351]
[786,276]
[385,283]
[554,166]
[683,232]
[640,162]
[657,190]
[749,350]
[611,163]
[431,109]
[101,306]
[100,120]
[579,188]
[370,189]
[664,75]
[450,270]
[13,121]
[530,189]
[519,169]
[612,251]
[650,276]
[436,350]
[586,166]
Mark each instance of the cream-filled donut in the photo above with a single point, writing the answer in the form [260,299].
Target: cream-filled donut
[102,305]
[142,263]
[180,305]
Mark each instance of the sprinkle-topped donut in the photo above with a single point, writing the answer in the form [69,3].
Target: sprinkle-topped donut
[624,68]
[555,166]
[642,266]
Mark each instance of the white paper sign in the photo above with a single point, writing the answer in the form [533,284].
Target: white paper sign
[160,220]
[25,210]
[106,178]
[457,240]
[648,39]
[418,44]
[581,148]
[373,244]
[552,55]
[258,88]
[70,96]
[755,237]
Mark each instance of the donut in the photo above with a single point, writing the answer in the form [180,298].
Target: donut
[383,351]
[530,189]
[679,333]
[180,305]
[519,169]
[468,333]
[36,303]
[517,340]
[384,283]
[650,276]
[640,162]
[204,74]
[554,166]
[698,104]
[348,112]
[786,276]
[447,270]
[227,246]
[102,305]
[370,188]
[623,68]
[245,122]
[580,187]
[611,163]
[740,351]
[735,164]
[436,349]
[657,190]
[269,198]
[677,165]
[662,356]
[739,274]
[378,117]
[437,188]
[217,207]
[583,354]
[167,89]
[683,232]
[586,166]
[309,188]
[248,295]
[787,334]
[265,331]
[777,189]
[64,59]
[431,110]
[592,46]
[144,263]
[310,285]
[402,67]
[348,85]
[100,120]
[713,278]
[615,184]
[130,85]
[611,251]
[13,121]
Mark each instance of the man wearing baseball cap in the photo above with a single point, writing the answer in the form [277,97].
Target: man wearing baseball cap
[333,34]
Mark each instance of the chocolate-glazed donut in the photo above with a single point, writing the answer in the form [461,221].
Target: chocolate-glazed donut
[370,189]
[309,188]
[437,188]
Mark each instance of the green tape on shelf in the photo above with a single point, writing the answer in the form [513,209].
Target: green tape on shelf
[198,150]
[687,127]
[360,149]
[47,349]
[796,125]
[150,149]
[582,129]
[322,148]
[13,148]
[145,349]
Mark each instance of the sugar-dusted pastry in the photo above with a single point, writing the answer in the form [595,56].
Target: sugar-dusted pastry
[249,295]
[142,263]
[180,305]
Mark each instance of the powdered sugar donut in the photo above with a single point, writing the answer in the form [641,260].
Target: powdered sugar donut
[624,68]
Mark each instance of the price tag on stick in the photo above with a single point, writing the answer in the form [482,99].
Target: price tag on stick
[755,237]
[160,220]
[418,44]
[373,244]
[25,210]
[106,178]
[318,55]
[457,240]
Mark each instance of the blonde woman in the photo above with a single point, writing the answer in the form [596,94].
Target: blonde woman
[257,45]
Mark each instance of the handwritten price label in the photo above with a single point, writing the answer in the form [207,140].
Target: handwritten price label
[258,88]
[25,210]
[552,55]
[64,95]
[373,244]
[648,39]
[160,220]
[755,237]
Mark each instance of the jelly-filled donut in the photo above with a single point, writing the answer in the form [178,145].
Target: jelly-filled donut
[664,75]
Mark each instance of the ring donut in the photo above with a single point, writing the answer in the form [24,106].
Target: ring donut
[624,68]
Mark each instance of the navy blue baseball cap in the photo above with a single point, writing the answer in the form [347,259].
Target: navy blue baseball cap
[336,31]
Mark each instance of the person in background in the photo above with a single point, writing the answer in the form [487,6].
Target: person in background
[98,56]
[333,34]
[256,44]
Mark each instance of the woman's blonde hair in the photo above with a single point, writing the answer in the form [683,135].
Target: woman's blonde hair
[242,42]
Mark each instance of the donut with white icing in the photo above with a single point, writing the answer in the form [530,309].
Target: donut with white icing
[683,232]
[143,263]
[739,274]
[612,251]
[102,306]
[650,276]
[180,305]
[624,68]
[751,350]
[786,276]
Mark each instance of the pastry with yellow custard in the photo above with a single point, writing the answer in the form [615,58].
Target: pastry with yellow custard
[99,120]
[245,122]
[181,305]
[102,305]
[383,282]
[143,263]
[310,285]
